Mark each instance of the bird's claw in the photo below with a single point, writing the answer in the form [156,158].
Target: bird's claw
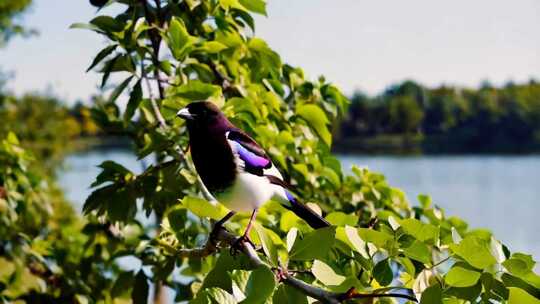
[236,246]
[214,233]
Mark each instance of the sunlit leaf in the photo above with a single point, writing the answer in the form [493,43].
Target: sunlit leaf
[461,277]
[260,285]
[475,251]
[317,120]
[519,296]
[314,245]
[326,274]
[203,208]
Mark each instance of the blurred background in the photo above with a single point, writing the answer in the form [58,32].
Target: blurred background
[445,96]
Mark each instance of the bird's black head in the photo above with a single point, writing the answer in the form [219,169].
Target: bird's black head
[203,115]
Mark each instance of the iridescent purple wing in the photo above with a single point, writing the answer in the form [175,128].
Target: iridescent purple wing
[254,158]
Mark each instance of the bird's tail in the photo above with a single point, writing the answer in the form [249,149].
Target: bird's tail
[307,214]
[290,202]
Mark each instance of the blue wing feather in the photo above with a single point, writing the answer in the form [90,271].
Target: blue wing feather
[254,158]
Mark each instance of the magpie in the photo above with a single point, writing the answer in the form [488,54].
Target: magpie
[235,169]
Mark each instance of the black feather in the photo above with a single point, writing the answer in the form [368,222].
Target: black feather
[304,212]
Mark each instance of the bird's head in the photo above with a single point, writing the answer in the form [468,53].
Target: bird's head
[203,114]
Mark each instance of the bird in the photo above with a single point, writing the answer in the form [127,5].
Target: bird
[235,169]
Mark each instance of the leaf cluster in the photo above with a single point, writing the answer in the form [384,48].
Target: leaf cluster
[170,53]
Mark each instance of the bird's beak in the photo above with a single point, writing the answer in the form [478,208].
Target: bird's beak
[185,114]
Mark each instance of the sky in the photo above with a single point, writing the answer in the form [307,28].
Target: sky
[356,44]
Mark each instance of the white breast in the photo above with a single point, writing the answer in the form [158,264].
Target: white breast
[248,192]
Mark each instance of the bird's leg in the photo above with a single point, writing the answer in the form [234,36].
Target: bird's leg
[245,237]
[218,225]
[250,224]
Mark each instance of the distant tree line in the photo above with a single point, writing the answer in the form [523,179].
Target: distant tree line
[45,124]
[445,119]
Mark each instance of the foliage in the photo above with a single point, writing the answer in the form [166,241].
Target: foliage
[44,125]
[450,119]
[45,254]
[195,50]
[10,10]
[172,53]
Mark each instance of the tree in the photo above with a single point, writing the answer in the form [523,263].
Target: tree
[176,52]
[172,53]
[10,11]
[405,114]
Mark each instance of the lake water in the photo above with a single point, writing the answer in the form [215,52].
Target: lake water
[501,193]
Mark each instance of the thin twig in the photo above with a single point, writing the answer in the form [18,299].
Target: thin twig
[155,107]
[440,262]
[354,295]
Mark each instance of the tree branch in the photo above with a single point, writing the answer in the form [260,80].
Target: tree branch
[153,102]
[222,236]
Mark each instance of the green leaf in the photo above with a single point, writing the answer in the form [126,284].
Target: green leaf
[218,276]
[139,295]
[177,217]
[325,274]
[522,266]
[520,296]
[198,90]
[475,251]
[461,277]
[122,284]
[419,230]
[107,24]
[470,293]
[212,47]
[256,6]
[432,295]
[342,219]
[202,208]
[383,273]
[180,41]
[119,89]
[84,26]
[268,246]
[221,296]
[354,240]
[228,4]
[393,223]
[192,4]
[260,285]
[201,298]
[133,103]
[380,239]
[493,286]
[111,171]
[418,251]
[516,266]
[314,245]
[317,119]
[239,279]
[289,295]
[512,281]
[101,55]
[291,238]
[122,63]
[407,265]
